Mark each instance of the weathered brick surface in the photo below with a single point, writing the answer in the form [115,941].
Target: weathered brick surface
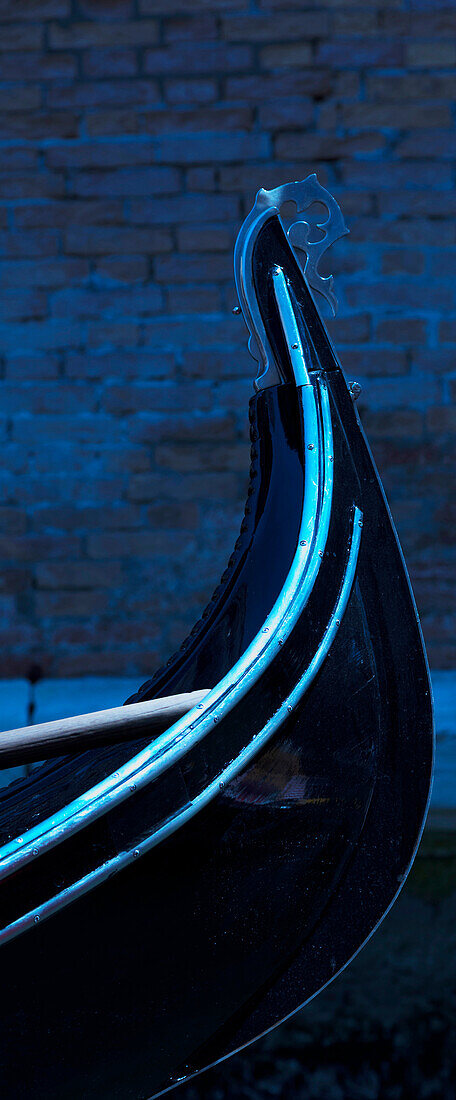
[134,135]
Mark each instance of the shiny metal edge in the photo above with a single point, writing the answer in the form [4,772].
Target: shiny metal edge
[259,347]
[258,742]
[197,723]
[290,327]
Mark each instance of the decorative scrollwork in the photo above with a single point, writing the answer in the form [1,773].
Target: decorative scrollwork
[304,193]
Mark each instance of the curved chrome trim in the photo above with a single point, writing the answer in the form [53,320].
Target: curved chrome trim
[290,328]
[184,734]
[258,741]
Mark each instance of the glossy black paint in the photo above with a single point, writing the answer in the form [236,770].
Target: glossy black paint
[246,912]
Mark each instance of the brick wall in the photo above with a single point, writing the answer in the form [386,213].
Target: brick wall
[134,136]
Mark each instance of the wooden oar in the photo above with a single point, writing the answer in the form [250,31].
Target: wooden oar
[87,731]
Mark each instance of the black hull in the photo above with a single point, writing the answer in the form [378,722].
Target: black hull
[248,908]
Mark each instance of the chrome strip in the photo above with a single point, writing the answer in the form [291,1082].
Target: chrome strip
[258,741]
[187,731]
[290,328]
[259,346]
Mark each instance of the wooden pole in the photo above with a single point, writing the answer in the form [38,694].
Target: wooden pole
[87,731]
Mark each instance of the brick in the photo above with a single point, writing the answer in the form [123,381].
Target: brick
[312,82]
[246,179]
[79,518]
[36,242]
[161,7]
[409,231]
[196,90]
[36,547]
[194,299]
[87,429]
[441,419]
[21,36]
[38,66]
[194,120]
[356,328]
[133,544]
[447,332]
[184,458]
[103,93]
[397,87]
[428,143]
[432,23]
[112,304]
[112,333]
[13,521]
[200,179]
[38,127]
[136,364]
[355,52]
[184,208]
[74,604]
[422,202]
[31,185]
[286,114]
[18,157]
[180,515]
[106,9]
[68,212]
[211,147]
[197,58]
[46,273]
[371,362]
[289,55]
[106,154]
[102,240]
[396,116]
[125,182]
[209,425]
[21,303]
[438,54]
[182,28]
[98,62]
[217,334]
[399,424]
[403,261]
[32,367]
[62,397]
[209,238]
[391,175]
[355,20]
[120,122]
[122,269]
[400,295]
[115,34]
[47,334]
[193,267]
[20,98]
[123,400]
[326,147]
[34,9]
[77,574]
[401,330]
[262,28]
[204,487]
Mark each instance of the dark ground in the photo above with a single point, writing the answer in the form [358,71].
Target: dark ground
[386,1028]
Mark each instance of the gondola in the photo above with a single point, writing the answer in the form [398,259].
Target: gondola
[165,901]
